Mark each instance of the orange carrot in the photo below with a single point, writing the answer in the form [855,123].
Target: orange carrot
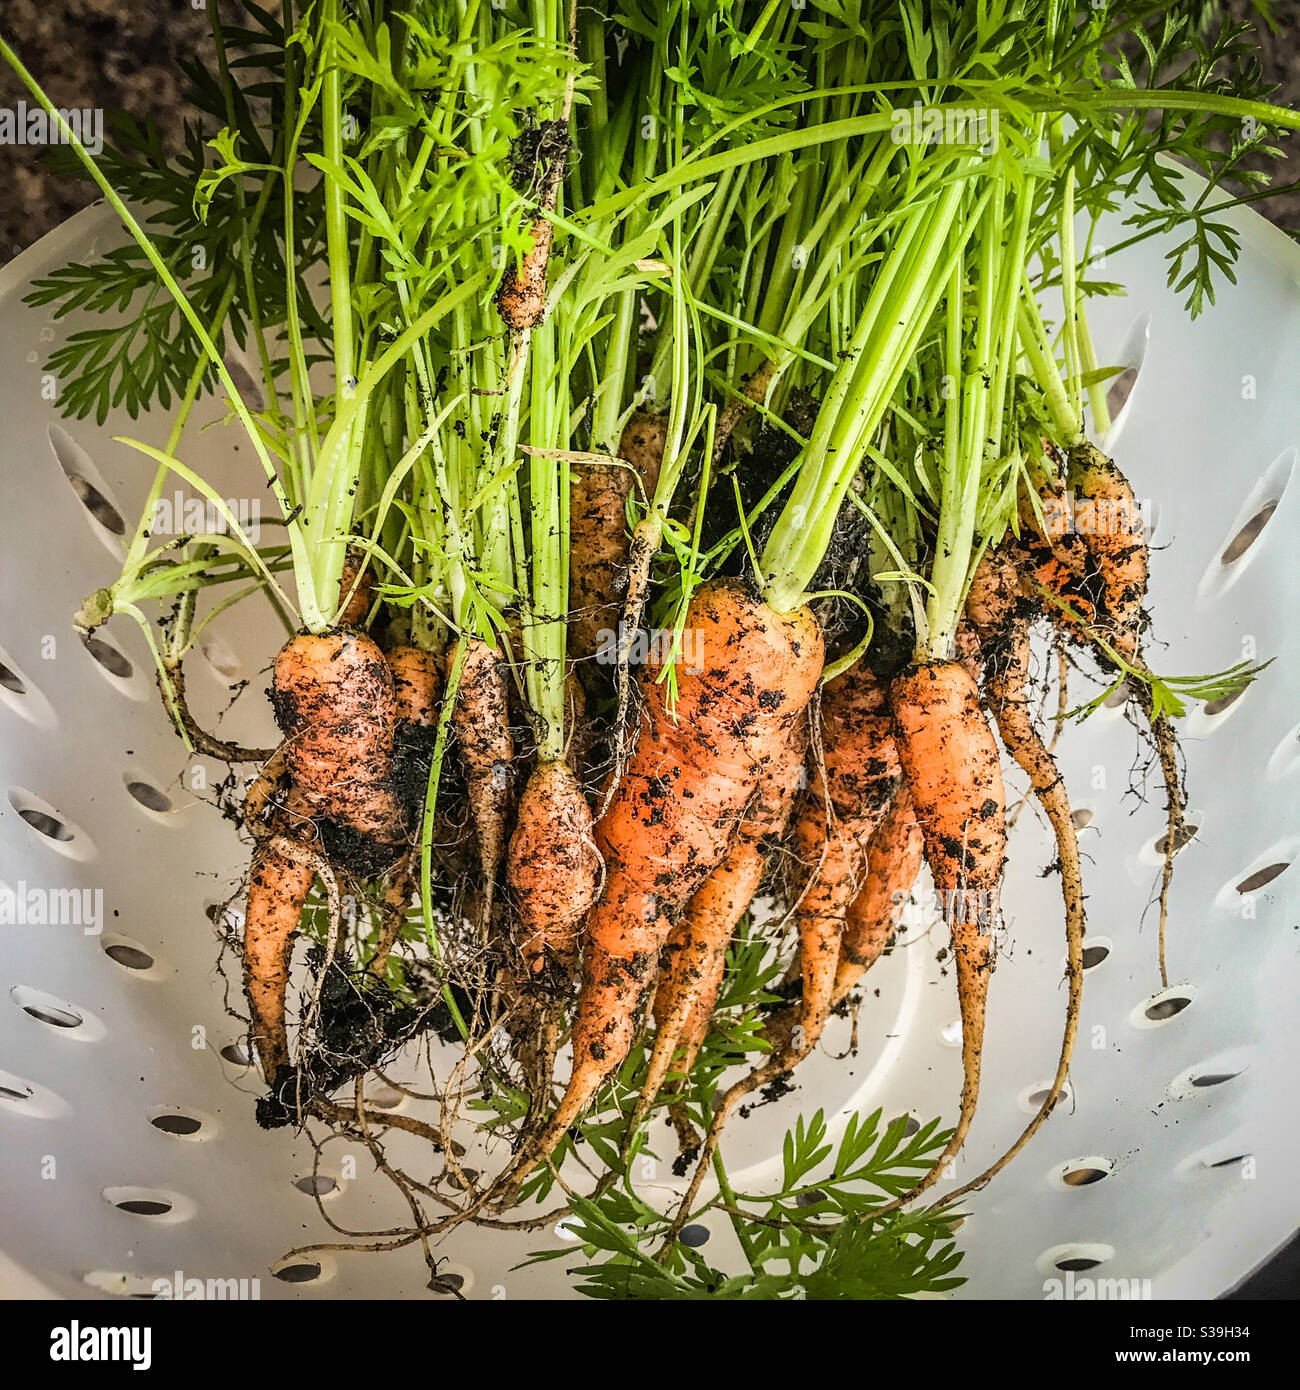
[333,697]
[522,296]
[278,885]
[1114,533]
[696,953]
[893,862]
[417,685]
[853,789]
[277,892]
[598,536]
[1004,631]
[681,797]
[482,724]
[951,760]
[357,594]
[552,866]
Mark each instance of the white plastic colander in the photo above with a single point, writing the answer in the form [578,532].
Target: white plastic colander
[126,1112]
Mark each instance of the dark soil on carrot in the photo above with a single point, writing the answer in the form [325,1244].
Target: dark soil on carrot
[846,565]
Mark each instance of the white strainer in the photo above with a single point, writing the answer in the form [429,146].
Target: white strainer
[127,1134]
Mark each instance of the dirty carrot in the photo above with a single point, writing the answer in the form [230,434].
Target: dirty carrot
[481,720]
[999,616]
[681,797]
[552,866]
[951,760]
[893,862]
[696,952]
[598,536]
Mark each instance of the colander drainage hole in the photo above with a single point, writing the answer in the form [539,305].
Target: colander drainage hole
[1094,955]
[109,658]
[1232,1162]
[1248,535]
[144,1206]
[446,1285]
[129,957]
[174,1122]
[1213,707]
[910,1128]
[1164,1009]
[1182,838]
[1075,1256]
[56,831]
[305,1272]
[1085,1172]
[1213,1078]
[1120,390]
[11,680]
[1032,1099]
[1119,697]
[1082,818]
[1252,883]
[98,505]
[45,1008]
[237,1055]
[694,1236]
[221,657]
[76,465]
[318,1186]
[148,795]
[56,1018]
[45,824]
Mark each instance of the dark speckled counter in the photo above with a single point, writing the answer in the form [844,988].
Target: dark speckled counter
[121,55]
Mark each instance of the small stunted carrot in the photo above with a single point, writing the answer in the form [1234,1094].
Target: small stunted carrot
[598,535]
[552,867]
[696,952]
[277,892]
[951,760]
[333,698]
[1106,512]
[522,296]
[683,792]
[417,685]
[481,719]
[334,701]
[278,885]
[1106,607]
[854,786]
[999,615]
[893,862]
[356,588]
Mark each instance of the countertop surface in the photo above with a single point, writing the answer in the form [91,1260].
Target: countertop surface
[121,55]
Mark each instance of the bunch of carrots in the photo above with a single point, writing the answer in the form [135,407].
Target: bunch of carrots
[675,525]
